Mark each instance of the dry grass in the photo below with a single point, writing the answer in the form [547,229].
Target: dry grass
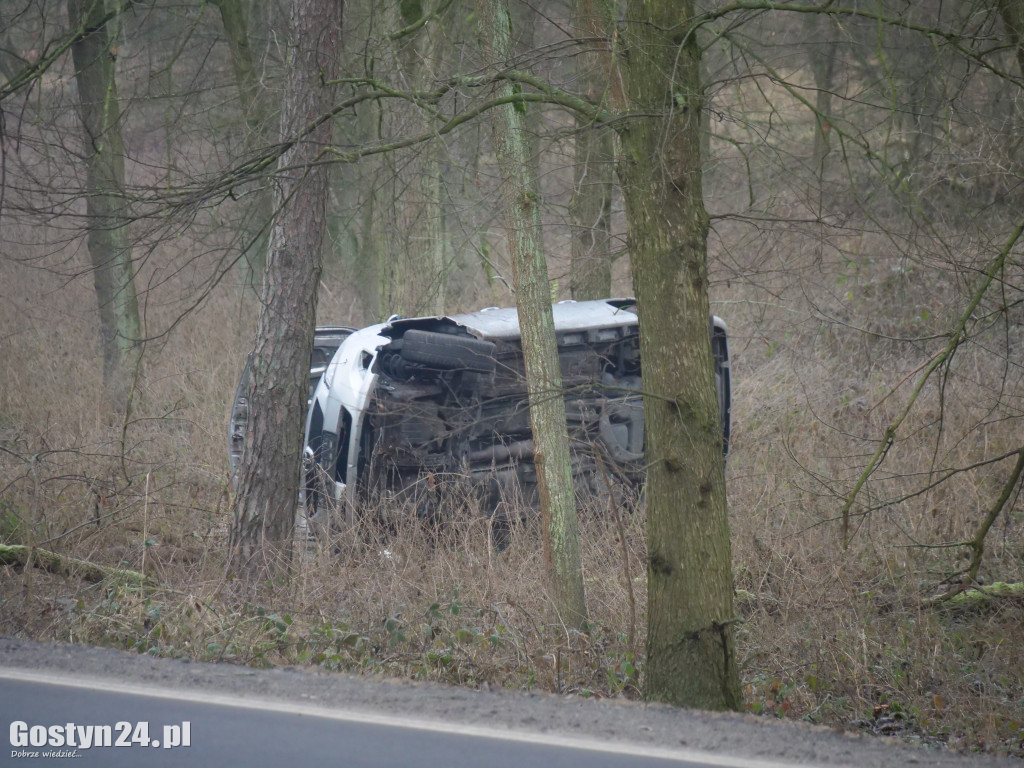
[837,636]
[828,325]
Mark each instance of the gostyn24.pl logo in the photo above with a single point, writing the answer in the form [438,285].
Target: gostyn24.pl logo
[67,738]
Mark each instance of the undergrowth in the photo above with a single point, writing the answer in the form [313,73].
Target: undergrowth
[840,636]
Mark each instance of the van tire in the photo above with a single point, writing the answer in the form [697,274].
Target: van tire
[449,351]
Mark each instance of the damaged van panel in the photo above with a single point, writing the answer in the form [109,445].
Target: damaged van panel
[407,405]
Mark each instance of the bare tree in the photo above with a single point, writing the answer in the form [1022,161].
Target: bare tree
[594,167]
[254,101]
[420,269]
[536,323]
[690,648]
[110,249]
[822,56]
[265,506]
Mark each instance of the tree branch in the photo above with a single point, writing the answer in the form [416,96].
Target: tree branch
[977,544]
[956,337]
[34,71]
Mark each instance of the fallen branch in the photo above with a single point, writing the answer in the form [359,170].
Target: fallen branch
[68,566]
[978,597]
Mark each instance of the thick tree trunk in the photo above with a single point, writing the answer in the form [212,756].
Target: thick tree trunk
[536,323]
[264,511]
[690,656]
[109,240]
[256,110]
[590,207]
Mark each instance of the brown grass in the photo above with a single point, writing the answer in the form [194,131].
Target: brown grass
[828,325]
[833,635]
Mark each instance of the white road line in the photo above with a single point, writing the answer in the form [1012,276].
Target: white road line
[393,721]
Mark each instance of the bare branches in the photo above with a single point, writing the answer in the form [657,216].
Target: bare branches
[417,24]
[957,335]
[226,183]
[57,50]
[960,43]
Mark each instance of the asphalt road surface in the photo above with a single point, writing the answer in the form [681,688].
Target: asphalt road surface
[292,717]
[222,733]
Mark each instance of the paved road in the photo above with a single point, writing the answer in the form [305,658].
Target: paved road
[301,716]
[225,730]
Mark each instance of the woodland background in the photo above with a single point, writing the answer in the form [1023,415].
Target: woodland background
[861,175]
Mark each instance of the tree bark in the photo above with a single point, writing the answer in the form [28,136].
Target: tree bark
[590,207]
[690,654]
[264,510]
[536,324]
[109,241]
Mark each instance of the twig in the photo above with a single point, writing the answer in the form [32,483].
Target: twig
[627,571]
[145,525]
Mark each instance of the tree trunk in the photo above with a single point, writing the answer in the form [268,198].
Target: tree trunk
[423,272]
[1012,14]
[109,245]
[590,207]
[370,272]
[256,110]
[264,511]
[690,655]
[536,323]
[524,18]
[822,56]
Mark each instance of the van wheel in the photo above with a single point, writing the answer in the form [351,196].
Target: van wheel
[446,350]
